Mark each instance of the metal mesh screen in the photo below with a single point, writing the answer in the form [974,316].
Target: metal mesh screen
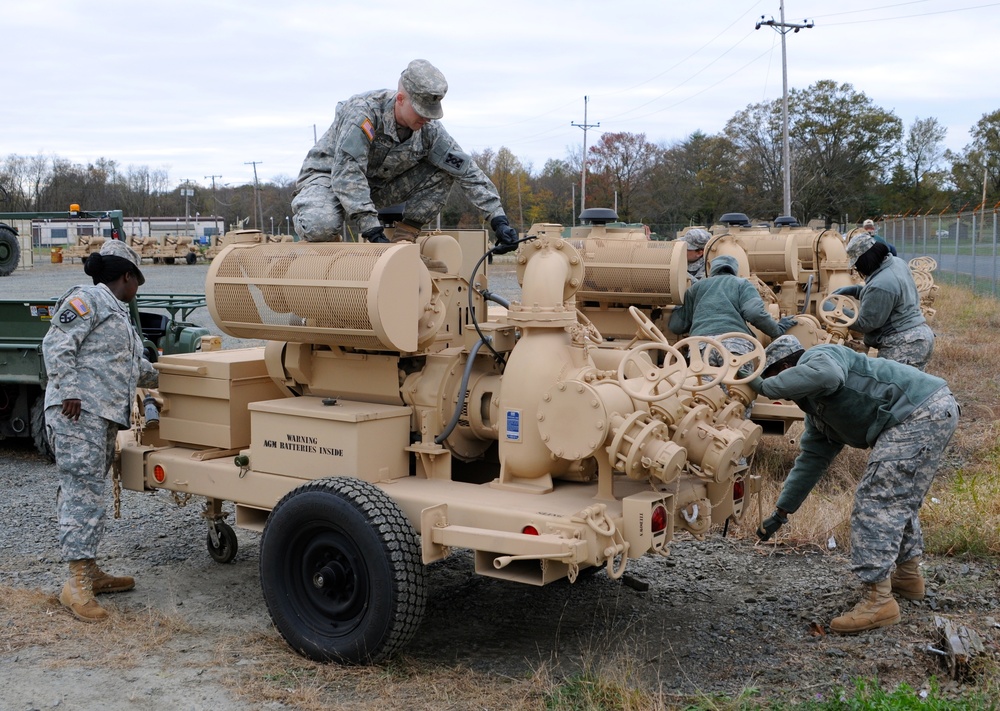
[630,271]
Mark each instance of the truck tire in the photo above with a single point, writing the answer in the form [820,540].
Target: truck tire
[39,434]
[341,571]
[10,250]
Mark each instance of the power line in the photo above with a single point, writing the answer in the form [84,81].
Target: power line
[919,14]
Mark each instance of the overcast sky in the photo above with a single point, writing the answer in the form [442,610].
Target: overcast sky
[201,88]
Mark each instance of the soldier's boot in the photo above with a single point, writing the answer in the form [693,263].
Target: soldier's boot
[102,582]
[403,232]
[878,608]
[908,581]
[78,594]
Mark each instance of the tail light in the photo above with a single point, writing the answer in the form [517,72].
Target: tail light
[739,489]
[529,530]
[658,521]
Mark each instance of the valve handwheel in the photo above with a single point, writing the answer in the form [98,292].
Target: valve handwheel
[646,326]
[701,373]
[838,310]
[646,386]
[738,360]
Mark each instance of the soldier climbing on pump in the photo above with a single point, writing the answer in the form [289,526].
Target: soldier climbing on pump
[387,147]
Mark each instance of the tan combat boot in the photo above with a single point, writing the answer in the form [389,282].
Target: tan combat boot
[908,581]
[877,608]
[78,594]
[104,583]
[403,232]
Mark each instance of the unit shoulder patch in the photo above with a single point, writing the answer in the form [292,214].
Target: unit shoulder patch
[67,316]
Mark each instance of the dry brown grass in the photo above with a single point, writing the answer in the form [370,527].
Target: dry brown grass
[33,619]
[270,672]
[962,514]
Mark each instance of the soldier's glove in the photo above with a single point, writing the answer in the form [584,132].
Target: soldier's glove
[506,236]
[376,235]
[770,525]
[785,323]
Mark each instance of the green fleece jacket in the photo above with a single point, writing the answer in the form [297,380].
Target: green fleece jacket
[722,303]
[848,398]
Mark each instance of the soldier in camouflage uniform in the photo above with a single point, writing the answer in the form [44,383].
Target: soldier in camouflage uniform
[696,240]
[94,360]
[387,147]
[890,316]
[907,418]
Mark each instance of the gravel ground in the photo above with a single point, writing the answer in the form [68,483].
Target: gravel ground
[715,616]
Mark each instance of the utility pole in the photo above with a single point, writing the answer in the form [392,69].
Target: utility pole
[187,192]
[583,170]
[215,201]
[782,28]
[256,194]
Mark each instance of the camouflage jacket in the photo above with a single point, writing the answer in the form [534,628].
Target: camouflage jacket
[362,148]
[93,354]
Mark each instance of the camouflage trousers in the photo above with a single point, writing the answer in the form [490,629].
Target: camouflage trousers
[319,216]
[84,451]
[912,346]
[885,528]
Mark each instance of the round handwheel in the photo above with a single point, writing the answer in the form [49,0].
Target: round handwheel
[838,310]
[923,264]
[646,386]
[646,326]
[701,373]
[924,282]
[589,329]
[736,361]
[223,545]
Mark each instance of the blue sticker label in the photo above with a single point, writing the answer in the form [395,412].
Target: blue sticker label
[513,430]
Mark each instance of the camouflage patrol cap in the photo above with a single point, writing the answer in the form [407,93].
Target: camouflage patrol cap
[697,238]
[859,245]
[426,86]
[117,248]
[779,349]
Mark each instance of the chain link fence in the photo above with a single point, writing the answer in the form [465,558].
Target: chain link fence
[964,246]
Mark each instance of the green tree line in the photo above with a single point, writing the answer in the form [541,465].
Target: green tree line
[851,159]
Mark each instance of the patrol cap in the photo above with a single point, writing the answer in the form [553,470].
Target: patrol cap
[867,223]
[426,86]
[780,348]
[117,248]
[697,238]
[859,245]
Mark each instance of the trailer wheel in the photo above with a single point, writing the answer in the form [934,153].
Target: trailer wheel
[10,250]
[39,435]
[341,570]
[168,260]
[227,546]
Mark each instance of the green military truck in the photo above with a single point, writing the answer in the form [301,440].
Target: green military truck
[23,325]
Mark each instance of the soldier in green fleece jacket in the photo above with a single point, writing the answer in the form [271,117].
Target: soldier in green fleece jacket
[906,417]
[725,303]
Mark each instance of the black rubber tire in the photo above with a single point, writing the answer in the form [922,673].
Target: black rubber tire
[191,257]
[39,435]
[168,260]
[10,250]
[341,570]
[228,544]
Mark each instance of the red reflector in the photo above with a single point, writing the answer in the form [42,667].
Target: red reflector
[738,490]
[159,474]
[659,518]
[529,531]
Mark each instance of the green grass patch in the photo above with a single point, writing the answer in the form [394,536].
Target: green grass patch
[592,692]
[962,512]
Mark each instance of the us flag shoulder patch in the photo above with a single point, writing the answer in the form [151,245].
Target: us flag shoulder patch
[369,129]
[80,306]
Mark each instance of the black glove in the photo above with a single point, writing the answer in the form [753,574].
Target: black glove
[785,323]
[376,235]
[771,524]
[506,236]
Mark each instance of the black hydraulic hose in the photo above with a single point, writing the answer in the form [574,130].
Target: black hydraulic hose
[462,393]
[485,293]
[809,286]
